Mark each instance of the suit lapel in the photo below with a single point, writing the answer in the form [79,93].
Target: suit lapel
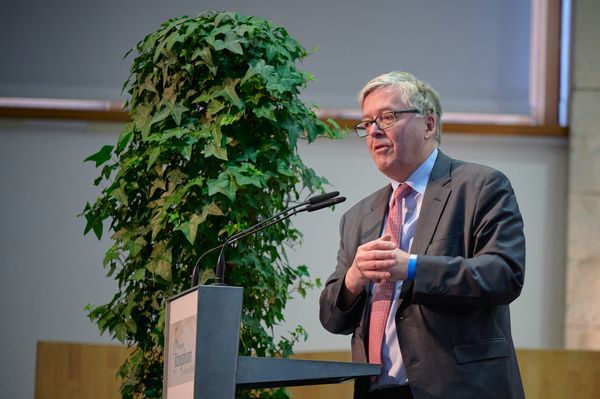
[373,220]
[434,201]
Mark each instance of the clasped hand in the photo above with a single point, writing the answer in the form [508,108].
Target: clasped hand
[376,260]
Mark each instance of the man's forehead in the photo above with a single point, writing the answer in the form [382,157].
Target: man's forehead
[387,98]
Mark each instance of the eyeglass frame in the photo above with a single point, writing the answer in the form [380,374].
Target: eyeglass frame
[361,131]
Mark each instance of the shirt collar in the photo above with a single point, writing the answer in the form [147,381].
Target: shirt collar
[420,177]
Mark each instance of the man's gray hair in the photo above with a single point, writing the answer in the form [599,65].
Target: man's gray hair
[414,93]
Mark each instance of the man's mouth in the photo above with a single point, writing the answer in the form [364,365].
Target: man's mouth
[380,146]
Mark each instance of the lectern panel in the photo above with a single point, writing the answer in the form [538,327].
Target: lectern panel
[180,353]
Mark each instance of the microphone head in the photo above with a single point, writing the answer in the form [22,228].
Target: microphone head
[325,204]
[322,197]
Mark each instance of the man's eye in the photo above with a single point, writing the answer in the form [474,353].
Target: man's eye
[387,118]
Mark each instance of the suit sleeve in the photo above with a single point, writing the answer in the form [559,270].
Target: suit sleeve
[487,265]
[333,318]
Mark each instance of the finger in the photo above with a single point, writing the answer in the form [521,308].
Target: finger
[377,255]
[378,276]
[373,266]
[378,244]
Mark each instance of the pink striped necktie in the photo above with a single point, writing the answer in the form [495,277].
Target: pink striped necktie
[382,296]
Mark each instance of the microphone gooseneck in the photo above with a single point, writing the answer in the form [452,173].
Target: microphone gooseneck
[312,204]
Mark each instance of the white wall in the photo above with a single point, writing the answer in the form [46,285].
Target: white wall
[49,271]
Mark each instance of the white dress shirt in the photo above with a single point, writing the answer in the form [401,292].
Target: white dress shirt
[393,370]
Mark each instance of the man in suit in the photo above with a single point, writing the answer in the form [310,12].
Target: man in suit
[427,265]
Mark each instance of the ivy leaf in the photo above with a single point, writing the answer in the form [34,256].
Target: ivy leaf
[206,275]
[223,17]
[206,56]
[195,220]
[214,107]
[148,85]
[153,154]
[230,119]
[120,332]
[101,156]
[160,261]
[235,46]
[157,184]
[141,115]
[157,223]
[190,228]
[163,269]
[185,229]
[266,111]
[260,68]
[223,185]
[124,137]
[231,94]
[177,111]
[135,246]
[159,117]
[211,149]
[212,209]
[173,38]
[176,133]
[294,131]
[232,43]
[186,150]
[247,175]
[111,254]
[120,194]
[94,222]
[192,26]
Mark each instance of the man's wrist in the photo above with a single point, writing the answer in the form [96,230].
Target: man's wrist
[412,267]
[351,284]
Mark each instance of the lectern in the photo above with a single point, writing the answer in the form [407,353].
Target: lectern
[201,351]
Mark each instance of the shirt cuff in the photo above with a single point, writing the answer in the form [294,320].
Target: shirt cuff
[412,267]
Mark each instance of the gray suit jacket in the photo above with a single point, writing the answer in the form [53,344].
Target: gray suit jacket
[453,321]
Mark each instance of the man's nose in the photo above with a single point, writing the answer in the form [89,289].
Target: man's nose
[375,131]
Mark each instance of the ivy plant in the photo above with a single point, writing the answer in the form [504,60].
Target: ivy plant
[210,148]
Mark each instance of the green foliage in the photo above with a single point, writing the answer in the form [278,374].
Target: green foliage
[210,150]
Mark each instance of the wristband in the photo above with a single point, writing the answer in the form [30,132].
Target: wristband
[412,267]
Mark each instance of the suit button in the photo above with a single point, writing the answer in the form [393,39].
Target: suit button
[360,335]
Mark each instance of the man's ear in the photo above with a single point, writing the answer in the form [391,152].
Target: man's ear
[430,125]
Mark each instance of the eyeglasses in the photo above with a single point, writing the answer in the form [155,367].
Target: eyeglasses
[383,121]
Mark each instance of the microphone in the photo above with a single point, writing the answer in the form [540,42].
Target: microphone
[312,204]
[325,204]
[312,200]
[322,197]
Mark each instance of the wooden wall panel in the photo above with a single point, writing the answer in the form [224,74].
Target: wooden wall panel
[83,371]
[546,374]
[88,371]
[559,374]
[329,391]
